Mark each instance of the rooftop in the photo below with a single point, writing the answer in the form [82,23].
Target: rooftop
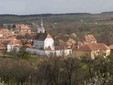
[92,47]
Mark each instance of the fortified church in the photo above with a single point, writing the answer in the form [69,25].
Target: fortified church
[43,40]
[43,44]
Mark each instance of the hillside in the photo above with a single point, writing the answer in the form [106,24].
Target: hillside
[100,25]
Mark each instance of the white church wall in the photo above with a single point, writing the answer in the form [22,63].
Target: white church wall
[17,49]
[62,52]
[49,42]
[36,51]
[10,47]
[48,53]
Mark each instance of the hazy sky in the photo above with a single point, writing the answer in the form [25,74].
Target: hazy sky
[54,6]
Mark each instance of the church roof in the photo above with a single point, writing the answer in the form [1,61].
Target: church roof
[40,36]
[49,36]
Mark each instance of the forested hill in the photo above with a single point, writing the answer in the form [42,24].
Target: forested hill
[48,14]
[11,18]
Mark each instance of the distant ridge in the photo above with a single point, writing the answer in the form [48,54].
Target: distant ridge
[48,14]
[13,18]
[110,12]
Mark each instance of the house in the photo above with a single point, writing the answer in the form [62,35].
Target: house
[5,32]
[70,43]
[4,42]
[92,50]
[62,51]
[2,48]
[111,48]
[42,39]
[90,39]
[12,44]
[23,29]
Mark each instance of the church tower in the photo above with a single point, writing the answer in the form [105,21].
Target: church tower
[43,40]
[41,29]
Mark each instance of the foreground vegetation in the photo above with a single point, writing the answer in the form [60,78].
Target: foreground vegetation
[28,70]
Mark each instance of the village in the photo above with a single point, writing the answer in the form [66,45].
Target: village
[43,44]
[56,42]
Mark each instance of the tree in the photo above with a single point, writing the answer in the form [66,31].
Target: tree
[21,71]
[23,54]
[5,70]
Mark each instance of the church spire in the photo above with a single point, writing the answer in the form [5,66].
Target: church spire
[41,29]
[41,23]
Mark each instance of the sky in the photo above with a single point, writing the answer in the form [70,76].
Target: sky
[23,7]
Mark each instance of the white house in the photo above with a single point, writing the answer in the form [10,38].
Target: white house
[12,44]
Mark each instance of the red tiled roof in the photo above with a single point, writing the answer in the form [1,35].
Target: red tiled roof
[90,38]
[111,46]
[22,26]
[83,48]
[15,42]
[29,45]
[71,42]
[5,42]
[97,46]
[2,47]
[5,32]
[92,46]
